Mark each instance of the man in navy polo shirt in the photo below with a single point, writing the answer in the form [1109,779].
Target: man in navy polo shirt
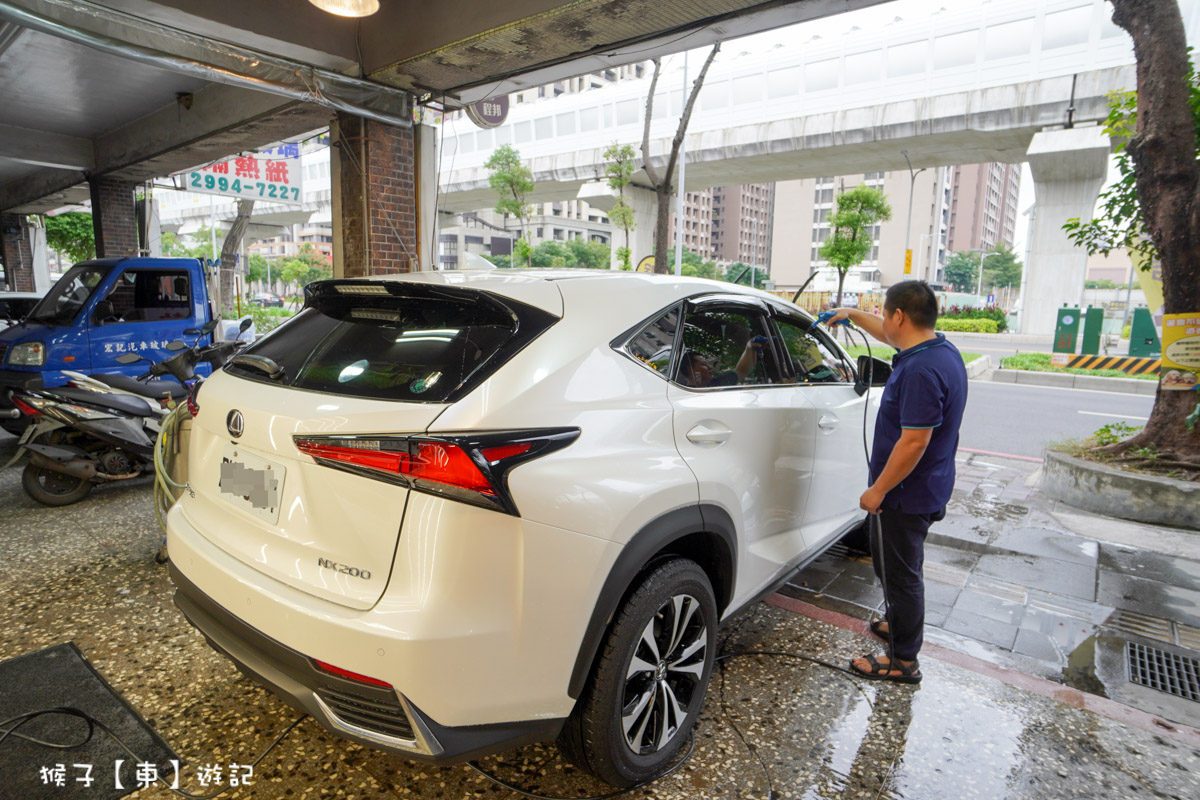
[912,463]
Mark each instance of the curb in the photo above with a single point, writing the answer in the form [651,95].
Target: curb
[1007,338]
[979,366]
[1071,381]
[1115,493]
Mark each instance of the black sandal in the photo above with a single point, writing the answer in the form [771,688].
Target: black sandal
[877,629]
[909,673]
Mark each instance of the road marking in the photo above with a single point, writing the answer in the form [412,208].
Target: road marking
[1118,416]
[1149,398]
[999,455]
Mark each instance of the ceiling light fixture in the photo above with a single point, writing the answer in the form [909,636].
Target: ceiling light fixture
[348,8]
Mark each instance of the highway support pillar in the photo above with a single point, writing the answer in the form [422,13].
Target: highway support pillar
[114,216]
[1069,167]
[644,203]
[376,196]
[16,249]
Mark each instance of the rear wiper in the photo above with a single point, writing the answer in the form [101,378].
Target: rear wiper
[260,363]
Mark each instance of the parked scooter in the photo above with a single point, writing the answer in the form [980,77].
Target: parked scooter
[104,428]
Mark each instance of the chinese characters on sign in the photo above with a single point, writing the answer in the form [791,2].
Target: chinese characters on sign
[134,347]
[145,774]
[274,177]
[1181,351]
[489,113]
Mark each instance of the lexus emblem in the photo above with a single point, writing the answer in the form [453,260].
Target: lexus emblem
[235,423]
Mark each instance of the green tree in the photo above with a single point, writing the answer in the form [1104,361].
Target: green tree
[738,268]
[512,181]
[620,169]
[551,254]
[172,247]
[1002,269]
[1154,206]
[203,243]
[858,211]
[72,234]
[256,268]
[503,262]
[592,255]
[961,270]
[1103,283]
[307,266]
[693,265]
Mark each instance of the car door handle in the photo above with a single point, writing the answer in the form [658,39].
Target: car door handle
[827,422]
[705,436]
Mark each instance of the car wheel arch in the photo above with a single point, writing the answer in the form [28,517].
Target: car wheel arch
[702,533]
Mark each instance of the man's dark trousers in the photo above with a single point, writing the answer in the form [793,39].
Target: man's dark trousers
[901,571]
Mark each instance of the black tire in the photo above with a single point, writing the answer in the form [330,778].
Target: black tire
[596,737]
[53,488]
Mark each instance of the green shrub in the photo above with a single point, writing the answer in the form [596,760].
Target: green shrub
[1125,331]
[968,325]
[970,312]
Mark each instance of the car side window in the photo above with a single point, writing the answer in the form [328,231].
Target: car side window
[725,346]
[654,343]
[813,358]
[146,295]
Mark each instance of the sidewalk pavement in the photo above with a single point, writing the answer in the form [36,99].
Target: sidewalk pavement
[1028,582]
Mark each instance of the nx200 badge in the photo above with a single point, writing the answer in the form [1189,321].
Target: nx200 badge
[235,423]
[353,572]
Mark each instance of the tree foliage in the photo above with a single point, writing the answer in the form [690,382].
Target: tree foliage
[858,211]
[620,169]
[575,253]
[72,234]
[1001,267]
[305,267]
[961,270]
[513,181]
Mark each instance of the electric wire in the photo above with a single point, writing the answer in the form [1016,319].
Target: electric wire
[93,724]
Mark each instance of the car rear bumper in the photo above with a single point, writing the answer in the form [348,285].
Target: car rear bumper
[369,715]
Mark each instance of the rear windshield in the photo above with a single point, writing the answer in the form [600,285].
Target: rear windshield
[395,341]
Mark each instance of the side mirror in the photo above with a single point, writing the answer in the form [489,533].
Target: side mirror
[247,323]
[871,372]
[176,345]
[129,358]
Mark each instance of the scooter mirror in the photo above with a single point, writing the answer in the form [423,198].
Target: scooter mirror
[129,358]
[246,324]
[209,327]
[176,345]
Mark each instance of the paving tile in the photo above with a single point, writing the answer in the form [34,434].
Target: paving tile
[940,594]
[950,556]
[815,576]
[1047,574]
[989,607]
[1001,634]
[936,614]
[1152,598]
[1038,645]
[1146,564]
[1041,542]
[1066,633]
[856,589]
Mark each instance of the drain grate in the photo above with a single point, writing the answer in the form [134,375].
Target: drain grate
[1166,672]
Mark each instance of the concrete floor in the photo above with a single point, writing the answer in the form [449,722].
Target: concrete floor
[86,574]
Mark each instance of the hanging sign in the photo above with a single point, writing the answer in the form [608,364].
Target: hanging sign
[489,113]
[1181,351]
[268,178]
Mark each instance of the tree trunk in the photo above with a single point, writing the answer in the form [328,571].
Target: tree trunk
[229,251]
[1168,179]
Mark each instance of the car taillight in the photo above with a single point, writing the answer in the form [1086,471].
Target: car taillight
[472,468]
[353,676]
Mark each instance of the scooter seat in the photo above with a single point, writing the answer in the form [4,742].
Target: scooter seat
[158,389]
[123,403]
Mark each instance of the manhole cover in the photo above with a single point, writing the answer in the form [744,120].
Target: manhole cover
[1166,672]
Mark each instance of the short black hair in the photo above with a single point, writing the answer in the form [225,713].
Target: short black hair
[916,300]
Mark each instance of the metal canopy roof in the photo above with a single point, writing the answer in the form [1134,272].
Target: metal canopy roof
[141,88]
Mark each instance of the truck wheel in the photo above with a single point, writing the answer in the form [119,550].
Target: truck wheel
[53,488]
[647,687]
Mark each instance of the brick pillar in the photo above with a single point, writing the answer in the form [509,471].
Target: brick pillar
[114,217]
[16,252]
[375,201]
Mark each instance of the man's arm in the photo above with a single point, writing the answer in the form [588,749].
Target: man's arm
[905,455]
[871,323]
[748,361]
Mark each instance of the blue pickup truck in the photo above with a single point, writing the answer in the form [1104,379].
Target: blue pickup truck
[97,311]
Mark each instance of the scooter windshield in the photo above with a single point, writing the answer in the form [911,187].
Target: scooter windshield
[63,302]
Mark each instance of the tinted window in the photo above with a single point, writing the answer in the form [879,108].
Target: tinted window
[15,308]
[399,342]
[62,303]
[812,356]
[146,295]
[725,346]
[654,343]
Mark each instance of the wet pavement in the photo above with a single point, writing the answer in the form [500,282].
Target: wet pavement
[86,574]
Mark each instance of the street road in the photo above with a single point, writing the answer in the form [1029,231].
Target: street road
[989,346]
[1019,420]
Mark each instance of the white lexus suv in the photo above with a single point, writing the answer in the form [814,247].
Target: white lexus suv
[449,513]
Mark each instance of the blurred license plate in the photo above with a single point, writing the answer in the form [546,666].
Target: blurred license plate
[251,483]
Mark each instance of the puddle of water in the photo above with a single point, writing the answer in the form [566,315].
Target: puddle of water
[980,504]
[1080,670]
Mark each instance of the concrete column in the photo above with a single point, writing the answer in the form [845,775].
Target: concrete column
[114,216]
[17,252]
[644,203]
[1069,167]
[373,177]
